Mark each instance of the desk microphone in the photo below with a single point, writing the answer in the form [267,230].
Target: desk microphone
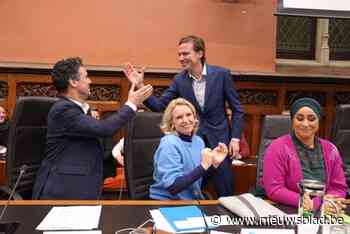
[10,227]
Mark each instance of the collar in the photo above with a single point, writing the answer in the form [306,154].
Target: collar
[84,106]
[204,72]
[186,138]
[302,145]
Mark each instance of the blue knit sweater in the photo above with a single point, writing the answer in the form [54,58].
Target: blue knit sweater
[176,158]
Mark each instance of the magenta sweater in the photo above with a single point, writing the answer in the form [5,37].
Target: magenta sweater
[282,171]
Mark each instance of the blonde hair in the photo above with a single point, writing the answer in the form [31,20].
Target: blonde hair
[166,125]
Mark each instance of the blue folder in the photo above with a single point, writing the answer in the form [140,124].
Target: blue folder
[180,213]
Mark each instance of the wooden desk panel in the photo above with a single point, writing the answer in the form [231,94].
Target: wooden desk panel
[244,177]
[3,172]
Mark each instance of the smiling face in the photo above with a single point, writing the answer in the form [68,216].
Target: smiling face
[305,124]
[2,115]
[188,57]
[183,120]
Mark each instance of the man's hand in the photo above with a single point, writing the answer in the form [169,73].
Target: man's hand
[220,153]
[137,97]
[133,75]
[234,149]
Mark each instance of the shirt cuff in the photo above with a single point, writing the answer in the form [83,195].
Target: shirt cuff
[235,139]
[131,105]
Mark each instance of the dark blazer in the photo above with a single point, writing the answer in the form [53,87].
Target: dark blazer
[219,89]
[73,166]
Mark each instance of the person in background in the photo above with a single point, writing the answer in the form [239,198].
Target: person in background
[73,166]
[207,87]
[303,155]
[181,159]
[4,130]
[118,149]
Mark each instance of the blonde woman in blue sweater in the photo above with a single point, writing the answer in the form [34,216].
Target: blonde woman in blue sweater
[181,159]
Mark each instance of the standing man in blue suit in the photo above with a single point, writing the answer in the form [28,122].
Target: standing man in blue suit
[73,166]
[207,87]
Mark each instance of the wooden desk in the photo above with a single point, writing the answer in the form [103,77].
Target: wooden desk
[3,172]
[244,176]
[115,215]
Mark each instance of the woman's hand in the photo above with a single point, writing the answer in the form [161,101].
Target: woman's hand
[207,158]
[308,204]
[329,208]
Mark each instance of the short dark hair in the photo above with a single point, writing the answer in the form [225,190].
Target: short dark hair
[198,44]
[65,70]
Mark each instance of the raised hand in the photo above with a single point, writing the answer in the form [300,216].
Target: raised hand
[207,158]
[220,153]
[133,75]
[137,97]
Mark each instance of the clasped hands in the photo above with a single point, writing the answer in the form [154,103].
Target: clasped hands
[214,157]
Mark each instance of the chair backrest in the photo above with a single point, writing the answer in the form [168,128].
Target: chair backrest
[141,141]
[27,141]
[273,126]
[341,136]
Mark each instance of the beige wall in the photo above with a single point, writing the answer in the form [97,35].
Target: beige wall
[240,34]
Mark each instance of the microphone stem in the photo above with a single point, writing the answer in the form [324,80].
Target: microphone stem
[11,194]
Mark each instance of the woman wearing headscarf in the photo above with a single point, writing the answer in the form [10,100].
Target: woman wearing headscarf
[302,155]
[181,159]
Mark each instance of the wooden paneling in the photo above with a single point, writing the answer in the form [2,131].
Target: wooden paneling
[260,94]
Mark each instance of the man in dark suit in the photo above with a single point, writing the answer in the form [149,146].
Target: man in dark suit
[73,166]
[207,88]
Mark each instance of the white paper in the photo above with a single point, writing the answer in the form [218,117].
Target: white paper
[266,231]
[183,224]
[337,5]
[198,222]
[71,218]
[160,221]
[308,228]
[74,232]
[329,229]
[237,162]
[218,232]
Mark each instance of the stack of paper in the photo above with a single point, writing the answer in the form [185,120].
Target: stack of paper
[73,232]
[71,218]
